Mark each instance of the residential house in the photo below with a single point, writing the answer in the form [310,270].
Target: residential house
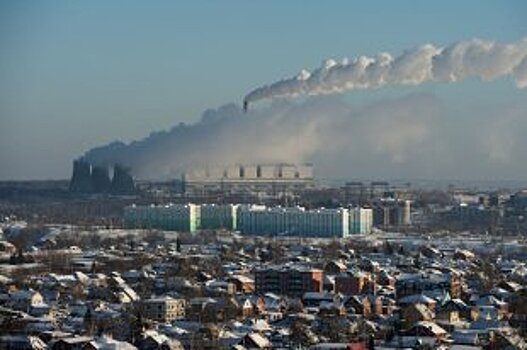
[256,341]
[71,343]
[242,284]
[163,309]
[24,300]
[356,304]
[414,313]
[335,267]
[354,283]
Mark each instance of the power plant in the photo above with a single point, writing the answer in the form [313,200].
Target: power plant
[88,178]
[263,180]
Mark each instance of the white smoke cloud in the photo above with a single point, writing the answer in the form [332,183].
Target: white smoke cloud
[412,136]
[504,140]
[416,136]
[326,130]
[486,60]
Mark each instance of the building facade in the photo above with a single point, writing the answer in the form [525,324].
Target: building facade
[354,283]
[392,212]
[251,219]
[294,221]
[263,180]
[219,216]
[164,309]
[171,217]
[294,281]
[360,220]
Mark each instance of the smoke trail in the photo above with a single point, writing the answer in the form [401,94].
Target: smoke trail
[486,60]
[415,136]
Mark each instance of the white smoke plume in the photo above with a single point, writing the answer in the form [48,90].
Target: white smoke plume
[323,130]
[486,60]
[409,136]
[415,136]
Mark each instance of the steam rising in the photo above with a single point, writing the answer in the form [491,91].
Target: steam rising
[410,136]
[406,137]
[486,60]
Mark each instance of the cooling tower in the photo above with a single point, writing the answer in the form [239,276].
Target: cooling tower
[122,182]
[81,180]
[101,179]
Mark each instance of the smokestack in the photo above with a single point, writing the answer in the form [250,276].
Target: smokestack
[486,60]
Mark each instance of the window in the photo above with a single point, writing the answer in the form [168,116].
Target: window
[242,171]
[258,171]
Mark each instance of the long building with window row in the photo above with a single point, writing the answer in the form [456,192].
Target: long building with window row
[294,221]
[170,217]
[219,216]
[251,219]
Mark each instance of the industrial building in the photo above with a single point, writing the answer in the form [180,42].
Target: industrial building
[263,180]
[88,178]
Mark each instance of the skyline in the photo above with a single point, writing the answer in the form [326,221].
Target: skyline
[81,75]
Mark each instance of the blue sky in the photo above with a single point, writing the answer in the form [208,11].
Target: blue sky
[78,74]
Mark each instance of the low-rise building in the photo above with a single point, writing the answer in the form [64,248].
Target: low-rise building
[163,309]
[354,283]
[294,281]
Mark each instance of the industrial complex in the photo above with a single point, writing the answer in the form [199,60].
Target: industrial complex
[259,179]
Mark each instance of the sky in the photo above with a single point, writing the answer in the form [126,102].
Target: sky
[75,75]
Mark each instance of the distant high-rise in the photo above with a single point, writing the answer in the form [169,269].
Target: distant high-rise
[360,220]
[392,212]
[407,218]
